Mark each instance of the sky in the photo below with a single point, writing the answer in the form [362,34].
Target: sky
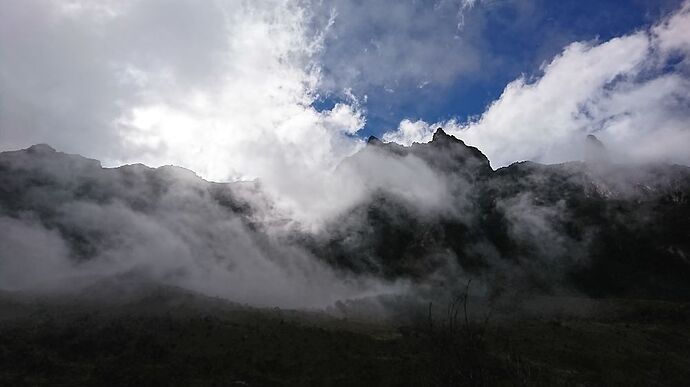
[283,90]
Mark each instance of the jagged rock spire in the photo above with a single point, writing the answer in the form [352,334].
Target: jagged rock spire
[373,140]
[440,135]
[41,148]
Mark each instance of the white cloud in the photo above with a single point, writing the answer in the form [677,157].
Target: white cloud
[345,118]
[224,89]
[672,34]
[409,132]
[619,89]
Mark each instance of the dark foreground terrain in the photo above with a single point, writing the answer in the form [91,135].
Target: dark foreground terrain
[171,337]
[434,217]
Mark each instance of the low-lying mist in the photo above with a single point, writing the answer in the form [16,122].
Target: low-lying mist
[389,222]
[67,222]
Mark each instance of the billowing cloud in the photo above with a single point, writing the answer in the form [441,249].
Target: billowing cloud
[66,223]
[31,256]
[632,92]
[224,89]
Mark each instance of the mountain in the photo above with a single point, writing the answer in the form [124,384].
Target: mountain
[594,226]
[434,213]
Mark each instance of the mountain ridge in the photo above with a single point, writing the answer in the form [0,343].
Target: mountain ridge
[612,230]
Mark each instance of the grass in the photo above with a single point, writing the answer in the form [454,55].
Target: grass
[161,340]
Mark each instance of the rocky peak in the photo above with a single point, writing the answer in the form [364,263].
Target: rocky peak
[441,136]
[41,149]
[373,140]
[449,153]
[44,158]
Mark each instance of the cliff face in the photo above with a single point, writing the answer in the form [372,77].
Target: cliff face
[437,212]
[594,226]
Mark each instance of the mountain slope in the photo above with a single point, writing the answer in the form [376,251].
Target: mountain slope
[433,213]
[598,227]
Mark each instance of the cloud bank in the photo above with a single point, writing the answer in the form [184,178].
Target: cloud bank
[223,89]
[632,92]
[68,224]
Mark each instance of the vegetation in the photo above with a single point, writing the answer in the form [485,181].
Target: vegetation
[192,340]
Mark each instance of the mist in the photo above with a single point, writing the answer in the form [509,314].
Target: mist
[334,192]
[276,199]
[73,223]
